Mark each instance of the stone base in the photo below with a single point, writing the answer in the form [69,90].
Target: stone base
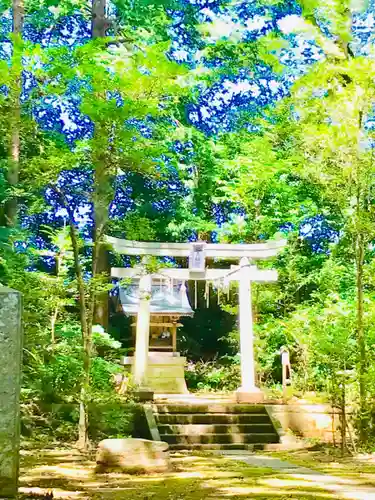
[144,395]
[165,372]
[319,422]
[254,396]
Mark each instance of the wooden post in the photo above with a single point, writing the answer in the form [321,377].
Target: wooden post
[285,362]
[142,333]
[284,383]
[343,418]
[174,337]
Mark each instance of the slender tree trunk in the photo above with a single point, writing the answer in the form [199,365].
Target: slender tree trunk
[55,314]
[15,116]
[53,324]
[86,338]
[343,418]
[361,340]
[83,440]
[361,186]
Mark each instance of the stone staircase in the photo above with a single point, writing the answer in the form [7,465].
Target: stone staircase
[214,426]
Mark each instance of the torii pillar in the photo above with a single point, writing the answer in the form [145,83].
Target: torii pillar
[248,392]
[142,339]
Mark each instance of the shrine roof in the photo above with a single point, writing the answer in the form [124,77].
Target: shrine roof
[165,300]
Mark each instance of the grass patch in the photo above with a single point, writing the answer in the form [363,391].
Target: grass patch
[328,460]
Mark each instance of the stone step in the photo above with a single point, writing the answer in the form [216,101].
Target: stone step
[199,429]
[254,438]
[210,447]
[210,408]
[214,426]
[212,418]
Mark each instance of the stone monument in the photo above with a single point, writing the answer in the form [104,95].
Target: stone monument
[10,385]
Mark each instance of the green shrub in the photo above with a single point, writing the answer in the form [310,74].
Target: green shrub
[110,417]
[52,378]
[43,421]
[216,375]
[101,374]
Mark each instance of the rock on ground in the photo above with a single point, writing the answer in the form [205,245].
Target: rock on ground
[134,456]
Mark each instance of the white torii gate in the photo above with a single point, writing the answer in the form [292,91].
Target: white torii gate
[245,273]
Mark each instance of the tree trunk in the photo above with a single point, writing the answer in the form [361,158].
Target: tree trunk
[343,418]
[101,306]
[100,264]
[102,197]
[99,22]
[101,200]
[15,115]
[86,339]
[361,340]
[87,307]
[53,325]
[360,242]
[83,439]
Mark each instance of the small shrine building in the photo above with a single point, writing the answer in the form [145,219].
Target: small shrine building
[168,303]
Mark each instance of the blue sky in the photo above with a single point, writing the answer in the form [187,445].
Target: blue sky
[220,102]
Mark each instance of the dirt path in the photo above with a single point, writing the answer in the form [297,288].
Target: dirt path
[341,487]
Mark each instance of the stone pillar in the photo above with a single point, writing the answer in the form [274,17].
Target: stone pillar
[10,386]
[248,392]
[142,333]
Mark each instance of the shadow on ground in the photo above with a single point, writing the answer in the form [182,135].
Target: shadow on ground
[71,475]
[328,460]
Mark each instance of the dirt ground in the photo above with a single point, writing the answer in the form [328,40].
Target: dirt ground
[70,475]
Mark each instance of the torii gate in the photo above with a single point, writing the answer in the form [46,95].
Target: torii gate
[245,273]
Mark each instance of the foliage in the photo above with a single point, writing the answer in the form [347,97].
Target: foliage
[110,417]
[219,375]
[233,122]
[53,382]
